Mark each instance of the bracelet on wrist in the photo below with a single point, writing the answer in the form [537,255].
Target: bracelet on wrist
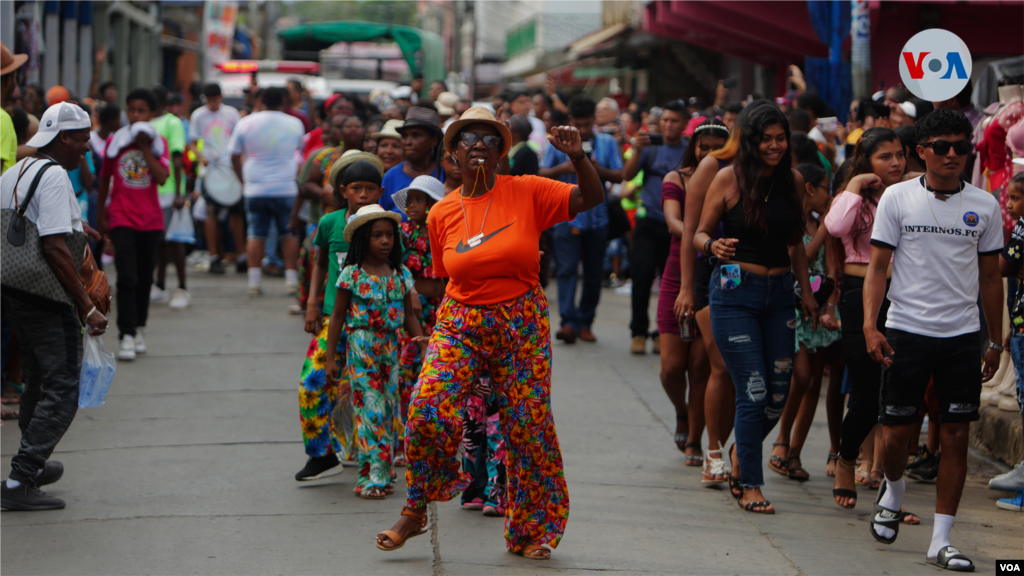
[707,247]
[580,157]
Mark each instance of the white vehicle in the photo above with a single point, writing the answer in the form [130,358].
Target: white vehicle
[236,76]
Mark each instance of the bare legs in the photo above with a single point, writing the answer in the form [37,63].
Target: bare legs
[720,395]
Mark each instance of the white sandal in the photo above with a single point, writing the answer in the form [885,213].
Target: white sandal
[714,467]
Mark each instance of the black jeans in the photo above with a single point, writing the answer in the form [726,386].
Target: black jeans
[51,364]
[865,373]
[135,259]
[651,242]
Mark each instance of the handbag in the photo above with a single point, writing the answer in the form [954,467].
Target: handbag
[26,273]
[96,284]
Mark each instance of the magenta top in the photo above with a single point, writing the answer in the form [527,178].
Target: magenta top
[669,191]
[840,221]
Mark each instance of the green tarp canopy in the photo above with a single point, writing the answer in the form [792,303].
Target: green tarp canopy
[322,35]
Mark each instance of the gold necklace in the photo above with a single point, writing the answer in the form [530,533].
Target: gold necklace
[769,192]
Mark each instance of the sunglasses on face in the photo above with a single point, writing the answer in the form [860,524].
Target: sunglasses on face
[490,141]
[941,147]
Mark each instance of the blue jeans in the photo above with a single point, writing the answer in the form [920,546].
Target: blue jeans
[1017,353]
[753,326]
[261,211]
[587,246]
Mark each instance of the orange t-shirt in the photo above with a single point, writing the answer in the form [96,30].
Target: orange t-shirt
[506,262]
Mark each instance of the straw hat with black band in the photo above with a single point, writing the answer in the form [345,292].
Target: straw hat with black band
[477,115]
[368,214]
[338,168]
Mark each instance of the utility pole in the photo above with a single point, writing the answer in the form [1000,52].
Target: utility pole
[860,48]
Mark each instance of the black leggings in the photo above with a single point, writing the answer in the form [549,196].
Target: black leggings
[865,373]
[135,259]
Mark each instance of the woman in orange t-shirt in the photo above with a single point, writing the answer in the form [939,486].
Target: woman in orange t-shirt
[494,316]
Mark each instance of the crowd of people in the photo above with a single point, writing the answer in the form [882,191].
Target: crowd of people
[417,234]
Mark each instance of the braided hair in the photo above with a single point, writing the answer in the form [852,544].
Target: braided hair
[360,245]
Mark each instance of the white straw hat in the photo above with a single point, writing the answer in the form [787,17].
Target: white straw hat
[427,184]
[366,214]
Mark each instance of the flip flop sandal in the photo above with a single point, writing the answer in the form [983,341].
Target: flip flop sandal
[886,518]
[529,549]
[749,506]
[832,457]
[797,473]
[844,492]
[396,538]
[950,553]
[862,478]
[692,460]
[735,486]
[372,493]
[909,518]
[778,463]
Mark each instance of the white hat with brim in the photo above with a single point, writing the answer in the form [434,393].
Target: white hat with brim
[63,116]
[477,115]
[427,184]
[390,130]
[368,214]
[909,108]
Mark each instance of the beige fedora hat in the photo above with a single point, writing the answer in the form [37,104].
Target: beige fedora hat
[389,130]
[367,214]
[477,115]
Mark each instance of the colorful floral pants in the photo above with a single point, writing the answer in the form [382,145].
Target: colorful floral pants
[512,340]
[372,369]
[483,449]
[411,363]
[323,432]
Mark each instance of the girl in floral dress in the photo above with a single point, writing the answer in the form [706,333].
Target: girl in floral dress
[373,301]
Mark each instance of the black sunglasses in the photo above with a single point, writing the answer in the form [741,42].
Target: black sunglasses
[941,147]
[490,141]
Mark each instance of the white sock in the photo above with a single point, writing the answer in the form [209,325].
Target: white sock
[255,276]
[893,500]
[940,538]
[12,484]
[291,276]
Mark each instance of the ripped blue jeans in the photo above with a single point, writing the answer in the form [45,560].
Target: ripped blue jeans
[753,325]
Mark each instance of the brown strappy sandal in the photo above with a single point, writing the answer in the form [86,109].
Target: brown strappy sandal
[529,550]
[396,538]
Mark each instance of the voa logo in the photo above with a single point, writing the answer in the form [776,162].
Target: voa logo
[935,65]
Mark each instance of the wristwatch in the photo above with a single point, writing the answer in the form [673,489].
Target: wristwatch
[996,347]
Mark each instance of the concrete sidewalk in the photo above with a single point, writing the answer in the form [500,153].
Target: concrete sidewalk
[188,469]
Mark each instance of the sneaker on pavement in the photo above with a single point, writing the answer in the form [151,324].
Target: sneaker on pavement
[1016,503]
[1010,481]
[319,467]
[638,345]
[922,457]
[928,472]
[27,497]
[140,343]
[216,267]
[181,299]
[126,350]
[291,288]
[52,471]
[158,295]
[255,290]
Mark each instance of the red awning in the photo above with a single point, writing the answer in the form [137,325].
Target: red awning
[762,32]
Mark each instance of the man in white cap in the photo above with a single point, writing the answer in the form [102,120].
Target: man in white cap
[8,141]
[49,333]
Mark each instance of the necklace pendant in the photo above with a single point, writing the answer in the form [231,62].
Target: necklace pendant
[475,240]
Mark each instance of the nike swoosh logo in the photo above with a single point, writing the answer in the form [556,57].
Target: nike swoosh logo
[463,247]
[885,517]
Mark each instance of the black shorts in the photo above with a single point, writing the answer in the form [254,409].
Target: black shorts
[212,207]
[702,281]
[954,362]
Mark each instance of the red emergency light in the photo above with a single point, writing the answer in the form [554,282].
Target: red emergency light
[282,66]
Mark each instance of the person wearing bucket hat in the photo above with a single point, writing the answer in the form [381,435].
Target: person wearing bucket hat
[389,144]
[495,317]
[324,441]
[421,150]
[374,301]
[8,141]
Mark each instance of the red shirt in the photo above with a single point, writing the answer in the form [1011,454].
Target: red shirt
[134,201]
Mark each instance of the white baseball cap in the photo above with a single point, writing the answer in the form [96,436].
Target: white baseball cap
[63,116]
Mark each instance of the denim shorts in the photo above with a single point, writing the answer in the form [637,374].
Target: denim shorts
[260,212]
[1017,353]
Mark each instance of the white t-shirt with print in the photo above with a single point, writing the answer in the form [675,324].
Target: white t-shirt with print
[268,140]
[54,208]
[214,129]
[934,289]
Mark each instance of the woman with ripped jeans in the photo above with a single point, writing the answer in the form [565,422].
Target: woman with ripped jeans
[752,288]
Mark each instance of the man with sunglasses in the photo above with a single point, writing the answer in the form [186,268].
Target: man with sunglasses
[946,236]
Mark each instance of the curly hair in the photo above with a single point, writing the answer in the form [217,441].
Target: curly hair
[943,121]
[360,246]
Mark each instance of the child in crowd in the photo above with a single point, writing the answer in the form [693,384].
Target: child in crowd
[137,163]
[1011,261]
[356,184]
[372,302]
[416,201]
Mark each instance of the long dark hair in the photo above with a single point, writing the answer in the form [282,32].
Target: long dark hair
[860,163]
[749,168]
[709,127]
[360,245]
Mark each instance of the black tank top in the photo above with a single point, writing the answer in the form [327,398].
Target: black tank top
[755,247]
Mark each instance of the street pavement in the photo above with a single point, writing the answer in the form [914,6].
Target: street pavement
[188,468]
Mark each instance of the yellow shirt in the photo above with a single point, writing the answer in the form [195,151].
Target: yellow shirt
[8,141]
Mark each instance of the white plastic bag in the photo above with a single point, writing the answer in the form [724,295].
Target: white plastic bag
[181,228]
[98,367]
[199,210]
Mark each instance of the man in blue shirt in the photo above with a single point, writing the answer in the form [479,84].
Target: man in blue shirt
[585,238]
[651,238]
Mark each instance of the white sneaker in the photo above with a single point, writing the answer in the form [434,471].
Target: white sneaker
[291,288]
[140,344]
[126,351]
[181,299]
[255,290]
[1010,481]
[158,295]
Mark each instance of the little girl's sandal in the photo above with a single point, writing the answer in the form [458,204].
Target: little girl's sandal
[373,493]
[535,552]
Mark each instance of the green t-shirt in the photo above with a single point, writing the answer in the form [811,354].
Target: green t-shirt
[8,141]
[170,127]
[330,236]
